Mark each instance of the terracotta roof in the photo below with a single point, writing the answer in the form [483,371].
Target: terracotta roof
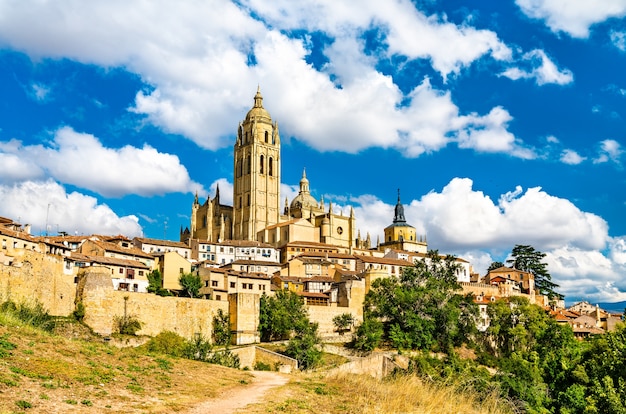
[311,244]
[112,247]
[324,255]
[18,234]
[254,263]
[313,295]
[158,242]
[320,279]
[383,260]
[108,261]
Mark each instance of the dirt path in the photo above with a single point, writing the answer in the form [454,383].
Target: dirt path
[239,398]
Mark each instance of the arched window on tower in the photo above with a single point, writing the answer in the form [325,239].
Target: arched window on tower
[238,168]
[248,200]
[248,164]
[261,162]
[270,166]
[267,137]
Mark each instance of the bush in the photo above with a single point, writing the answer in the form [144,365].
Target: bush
[79,312]
[262,366]
[368,335]
[127,325]
[199,348]
[168,343]
[31,314]
[304,349]
[225,358]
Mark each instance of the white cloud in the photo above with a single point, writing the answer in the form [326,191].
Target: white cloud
[573,17]
[40,92]
[610,150]
[619,40]
[81,160]
[571,157]
[540,68]
[468,223]
[46,202]
[195,57]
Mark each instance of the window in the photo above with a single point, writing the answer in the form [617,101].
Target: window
[214,283]
[270,167]
[267,136]
[232,285]
[181,270]
[206,283]
[261,161]
[121,270]
[218,297]
[248,164]
[140,272]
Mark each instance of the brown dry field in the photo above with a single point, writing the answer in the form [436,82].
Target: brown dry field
[78,373]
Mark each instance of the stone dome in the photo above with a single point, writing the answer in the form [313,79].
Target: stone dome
[257,110]
[304,199]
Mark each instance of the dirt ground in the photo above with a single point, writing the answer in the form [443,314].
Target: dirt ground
[234,400]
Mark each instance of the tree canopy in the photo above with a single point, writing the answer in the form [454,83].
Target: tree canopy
[190,284]
[420,309]
[527,259]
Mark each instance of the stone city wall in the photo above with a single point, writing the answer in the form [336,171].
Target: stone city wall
[184,316]
[35,277]
[324,315]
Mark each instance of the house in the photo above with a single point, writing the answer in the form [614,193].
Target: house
[147,245]
[254,266]
[96,247]
[126,274]
[171,265]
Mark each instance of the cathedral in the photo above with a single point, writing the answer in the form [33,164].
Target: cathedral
[256,214]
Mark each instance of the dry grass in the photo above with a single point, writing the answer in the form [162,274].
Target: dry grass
[347,393]
[41,372]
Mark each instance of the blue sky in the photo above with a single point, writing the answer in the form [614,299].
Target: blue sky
[501,122]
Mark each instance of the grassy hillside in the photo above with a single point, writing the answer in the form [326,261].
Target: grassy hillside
[77,372]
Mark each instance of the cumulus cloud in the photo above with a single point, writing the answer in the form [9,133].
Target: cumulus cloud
[466,222]
[202,63]
[538,66]
[47,207]
[609,150]
[573,17]
[81,160]
[571,157]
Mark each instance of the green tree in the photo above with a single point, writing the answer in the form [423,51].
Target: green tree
[527,259]
[304,347]
[343,322]
[494,266]
[155,284]
[422,309]
[190,284]
[368,335]
[221,328]
[282,315]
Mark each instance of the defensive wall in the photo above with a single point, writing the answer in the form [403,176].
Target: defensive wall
[33,276]
[324,315]
[378,365]
[249,355]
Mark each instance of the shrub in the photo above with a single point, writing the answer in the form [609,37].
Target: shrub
[32,314]
[79,312]
[199,348]
[127,325]
[168,343]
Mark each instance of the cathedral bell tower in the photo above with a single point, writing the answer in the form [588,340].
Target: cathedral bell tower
[257,173]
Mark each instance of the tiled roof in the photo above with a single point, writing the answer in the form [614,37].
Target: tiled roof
[77,257]
[158,242]
[383,260]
